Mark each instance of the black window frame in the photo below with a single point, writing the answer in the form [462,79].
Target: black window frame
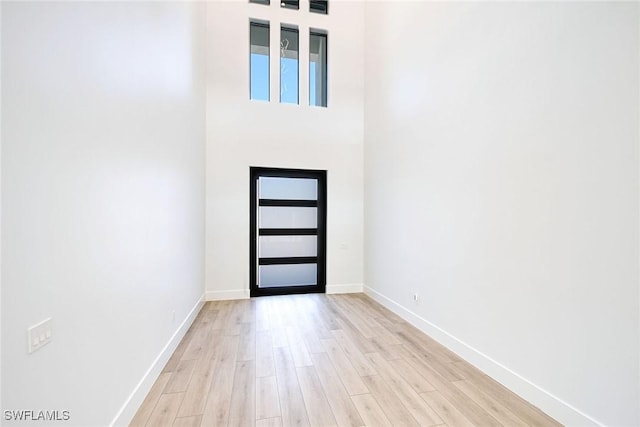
[254,231]
[288,28]
[265,25]
[290,4]
[314,32]
[319,6]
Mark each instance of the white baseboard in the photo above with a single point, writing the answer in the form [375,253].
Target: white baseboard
[130,407]
[244,293]
[350,288]
[547,402]
[226,295]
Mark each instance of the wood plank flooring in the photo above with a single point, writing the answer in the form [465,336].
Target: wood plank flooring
[322,360]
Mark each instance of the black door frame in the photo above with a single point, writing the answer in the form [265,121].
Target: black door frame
[320,231]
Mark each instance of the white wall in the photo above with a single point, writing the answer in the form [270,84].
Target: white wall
[103,140]
[243,133]
[501,166]
[501,184]
[1,406]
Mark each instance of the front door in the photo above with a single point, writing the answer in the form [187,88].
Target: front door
[287,231]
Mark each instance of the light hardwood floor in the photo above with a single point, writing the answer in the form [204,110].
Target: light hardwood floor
[321,360]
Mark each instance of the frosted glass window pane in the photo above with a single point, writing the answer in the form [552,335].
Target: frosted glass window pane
[288,188]
[272,276]
[287,217]
[287,246]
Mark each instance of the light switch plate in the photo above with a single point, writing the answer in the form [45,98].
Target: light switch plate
[40,334]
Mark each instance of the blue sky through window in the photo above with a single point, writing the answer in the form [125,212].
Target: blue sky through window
[312,83]
[259,77]
[289,80]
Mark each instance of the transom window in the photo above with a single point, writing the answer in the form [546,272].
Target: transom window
[289,51]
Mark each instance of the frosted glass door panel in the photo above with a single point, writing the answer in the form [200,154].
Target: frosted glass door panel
[271,276]
[287,246]
[287,217]
[287,188]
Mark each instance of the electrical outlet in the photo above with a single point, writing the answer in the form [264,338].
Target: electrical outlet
[40,334]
